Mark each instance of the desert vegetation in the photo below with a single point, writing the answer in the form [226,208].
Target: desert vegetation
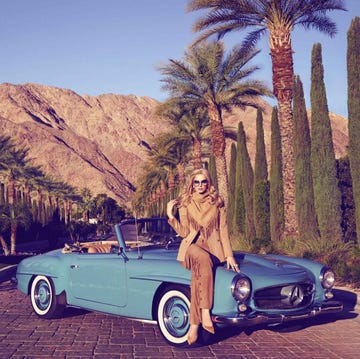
[305,205]
[34,207]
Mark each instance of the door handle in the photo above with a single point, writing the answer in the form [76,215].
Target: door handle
[74,266]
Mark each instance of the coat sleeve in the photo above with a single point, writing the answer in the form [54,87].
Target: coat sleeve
[224,234]
[181,227]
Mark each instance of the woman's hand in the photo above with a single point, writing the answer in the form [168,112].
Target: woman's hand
[231,264]
[170,208]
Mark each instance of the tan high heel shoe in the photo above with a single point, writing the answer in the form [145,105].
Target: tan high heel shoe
[208,327]
[192,334]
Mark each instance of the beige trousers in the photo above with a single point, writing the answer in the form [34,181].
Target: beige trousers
[202,280]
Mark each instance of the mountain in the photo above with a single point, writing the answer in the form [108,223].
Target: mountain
[248,117]
[100,142]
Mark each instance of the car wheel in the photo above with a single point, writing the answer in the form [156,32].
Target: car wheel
[173,314]
[43,298]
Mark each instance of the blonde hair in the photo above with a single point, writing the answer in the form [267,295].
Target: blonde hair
[184,198]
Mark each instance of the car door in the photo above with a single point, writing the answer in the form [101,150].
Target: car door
[98,279]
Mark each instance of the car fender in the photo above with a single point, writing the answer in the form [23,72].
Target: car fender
[222,290]
[146,277]
[49,265]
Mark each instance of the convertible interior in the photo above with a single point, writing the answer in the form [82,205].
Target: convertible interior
[100,247]
[135,235]
[91,247]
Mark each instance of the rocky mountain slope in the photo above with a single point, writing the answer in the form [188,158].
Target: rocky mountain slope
[100,142]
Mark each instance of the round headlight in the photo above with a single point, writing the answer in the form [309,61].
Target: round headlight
[240,288]
[327,278]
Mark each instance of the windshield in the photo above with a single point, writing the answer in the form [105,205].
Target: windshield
[145,232]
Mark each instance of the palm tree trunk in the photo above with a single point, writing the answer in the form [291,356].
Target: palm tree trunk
[4,245]
[181,171]
[2,194]
[28,196]
[222,178]
[283,71]
[11,190]
[218,147]
[41,214]
[197,154]
[66,205]
[70,211]
[13,238]
[286,130]
[11,186]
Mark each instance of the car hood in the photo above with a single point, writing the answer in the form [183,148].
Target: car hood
[266,265]
[250,264]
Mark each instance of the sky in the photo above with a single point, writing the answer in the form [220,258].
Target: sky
[96,47]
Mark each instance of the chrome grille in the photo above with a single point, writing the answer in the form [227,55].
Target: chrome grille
[289,296]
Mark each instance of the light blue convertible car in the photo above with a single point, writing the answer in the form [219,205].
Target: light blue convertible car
[136,275]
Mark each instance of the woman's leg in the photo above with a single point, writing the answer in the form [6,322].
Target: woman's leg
[202,284]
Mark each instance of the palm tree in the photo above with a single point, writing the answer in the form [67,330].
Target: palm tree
[33,175]
[86,204]
[14,169]
[68,195]
[191,123]
[167,156]
[171,149]
[150,190]
[12,216]
[214,81]
[278,18]
[6,146]
[6,159]
[17,172]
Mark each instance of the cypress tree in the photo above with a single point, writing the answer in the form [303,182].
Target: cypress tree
[323,165]
[261,185]
[247,179]
[231,191]
[239,206]
[353,78]
[304,191]
[277,220]
[347,200]
[260,168]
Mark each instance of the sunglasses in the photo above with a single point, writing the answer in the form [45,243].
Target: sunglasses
[200,183]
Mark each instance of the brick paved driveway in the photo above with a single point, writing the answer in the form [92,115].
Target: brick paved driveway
[83,334]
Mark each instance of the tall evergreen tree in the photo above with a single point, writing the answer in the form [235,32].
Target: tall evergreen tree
[348,225]
[304,191]
[239,207]
[323,165]
[261,184]
[247,179]
[231,191]
[276,181]
[353,77]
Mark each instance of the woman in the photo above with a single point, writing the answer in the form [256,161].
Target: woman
[205,243]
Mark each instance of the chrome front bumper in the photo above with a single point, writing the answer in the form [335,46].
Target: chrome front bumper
[246,320]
